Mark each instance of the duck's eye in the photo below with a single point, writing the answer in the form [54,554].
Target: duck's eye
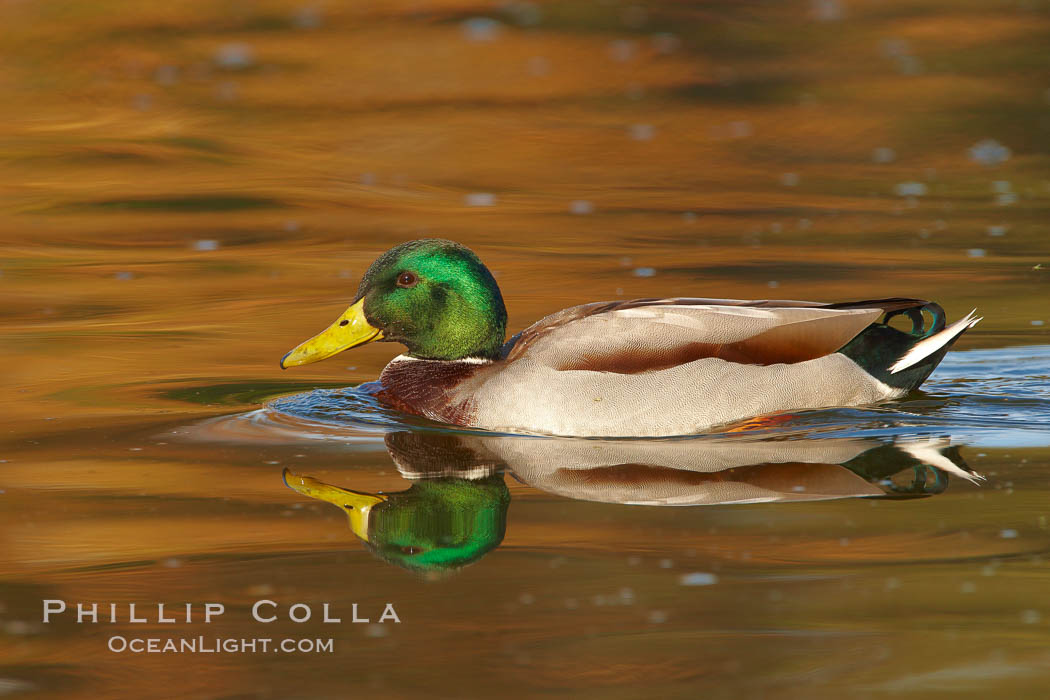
[407,279]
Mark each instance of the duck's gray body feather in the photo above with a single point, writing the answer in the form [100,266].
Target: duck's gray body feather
[655,368]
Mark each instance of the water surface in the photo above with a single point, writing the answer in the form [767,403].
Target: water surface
[190,189]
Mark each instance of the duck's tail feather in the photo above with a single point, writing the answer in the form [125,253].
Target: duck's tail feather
[926,347]
[904,360]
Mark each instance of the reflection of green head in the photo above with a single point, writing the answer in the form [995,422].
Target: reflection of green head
[440,523]
[437,524]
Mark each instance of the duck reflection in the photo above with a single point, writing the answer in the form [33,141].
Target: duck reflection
[456,509]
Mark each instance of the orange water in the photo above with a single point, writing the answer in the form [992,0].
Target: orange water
[191,188]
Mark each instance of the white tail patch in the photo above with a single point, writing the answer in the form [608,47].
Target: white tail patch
[925,348]
[928,451]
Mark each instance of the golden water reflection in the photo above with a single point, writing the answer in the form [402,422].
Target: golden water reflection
[455,511]
[192,187]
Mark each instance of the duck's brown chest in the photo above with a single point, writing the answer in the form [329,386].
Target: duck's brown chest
[434,389]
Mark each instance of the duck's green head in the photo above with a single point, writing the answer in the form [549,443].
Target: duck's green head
[434,296]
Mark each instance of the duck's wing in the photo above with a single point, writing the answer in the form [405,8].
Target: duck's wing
[650,334]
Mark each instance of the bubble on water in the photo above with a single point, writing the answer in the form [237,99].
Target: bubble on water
[892,48]
[989,152]
[789,179]
[290,226]
[892,583]
[657,617]
[525,14]
[1008,534]
[539,66]
[526,599]
[166,75]
[827,10]
[171,563]
[205,244]
[619,291]
[689,217]
[798,489]
[142,102]
[644,271]
[11,686]
[1031,617]
[967,587]
[910,189]
[804,224]
[1002,186]
[124,275]
[698,578]
[997,230]
[1036,322]
[909,65]
[627,596]
[976,252]
[581,207]
[480,199]
[665,42]
[882,154]
[481,29]
[844,542]
[740,129]
[642,132]
[307,17]
[772,284]
[622,50]
[226,91]
[235,56]
[666,563]
[1005,199]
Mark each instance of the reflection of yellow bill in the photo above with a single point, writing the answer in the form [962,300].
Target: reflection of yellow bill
[349,330]
[357,505]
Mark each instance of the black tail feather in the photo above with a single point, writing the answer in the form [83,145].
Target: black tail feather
[879,346]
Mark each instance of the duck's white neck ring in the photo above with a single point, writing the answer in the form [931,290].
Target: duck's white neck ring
[462,361]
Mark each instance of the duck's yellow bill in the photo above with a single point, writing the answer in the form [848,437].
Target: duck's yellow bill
[349,330]
[357,505]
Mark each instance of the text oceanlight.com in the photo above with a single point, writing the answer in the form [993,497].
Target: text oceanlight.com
[206,645]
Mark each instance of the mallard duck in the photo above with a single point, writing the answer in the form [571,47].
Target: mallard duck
[645,367]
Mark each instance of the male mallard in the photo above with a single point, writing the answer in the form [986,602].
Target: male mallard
[646,367]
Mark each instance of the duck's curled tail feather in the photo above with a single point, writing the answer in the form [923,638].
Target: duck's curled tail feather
[902,359]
